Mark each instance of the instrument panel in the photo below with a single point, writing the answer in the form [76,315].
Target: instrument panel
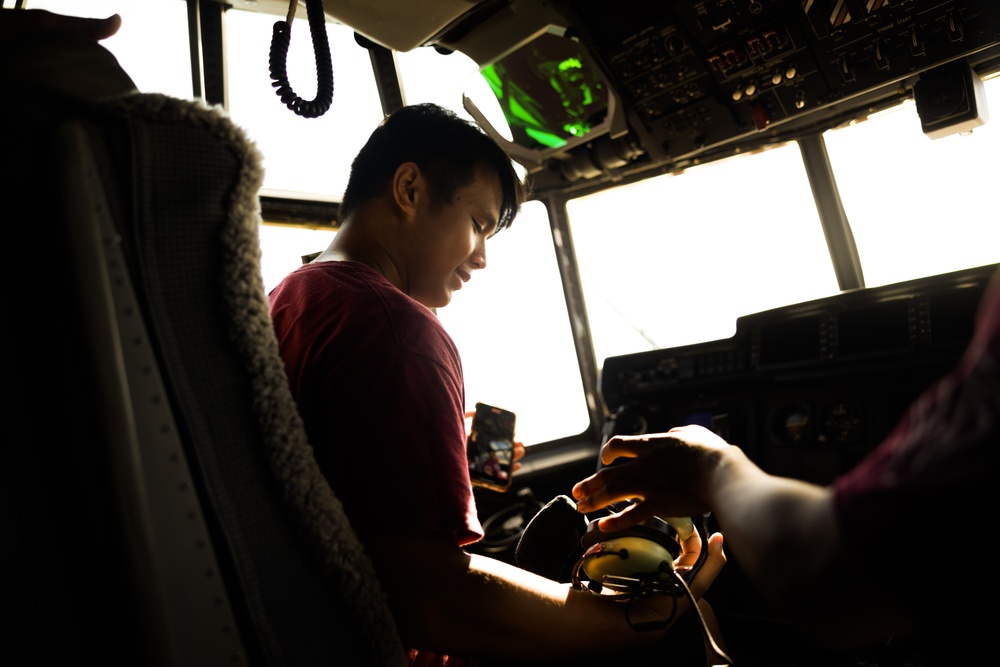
[701,80]
[807,390]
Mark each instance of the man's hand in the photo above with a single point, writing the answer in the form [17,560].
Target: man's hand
[715,559]
[665,479]
[518,455]
[19,22]
[518,446]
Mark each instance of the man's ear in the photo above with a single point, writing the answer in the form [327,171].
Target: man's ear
[407,187]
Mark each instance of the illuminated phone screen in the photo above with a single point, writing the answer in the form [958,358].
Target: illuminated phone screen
[491,447]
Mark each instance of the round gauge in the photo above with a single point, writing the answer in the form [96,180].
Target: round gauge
[790,424]
[841,424]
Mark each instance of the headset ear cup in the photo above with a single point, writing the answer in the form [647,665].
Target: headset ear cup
[642,550]
[550,544]
[655,530]
[627,557]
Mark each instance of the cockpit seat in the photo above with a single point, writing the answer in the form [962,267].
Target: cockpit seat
[161,501]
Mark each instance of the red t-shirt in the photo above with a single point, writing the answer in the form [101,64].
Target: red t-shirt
[917,507]
[379,385]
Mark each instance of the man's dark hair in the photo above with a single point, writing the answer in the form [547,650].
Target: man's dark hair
[448,150]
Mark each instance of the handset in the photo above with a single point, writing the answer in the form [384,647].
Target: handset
[490,447]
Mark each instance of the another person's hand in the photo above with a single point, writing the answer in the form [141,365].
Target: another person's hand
[19,22]
[665,478]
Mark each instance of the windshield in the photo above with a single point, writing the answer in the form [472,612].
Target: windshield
[919,206]
[674,260]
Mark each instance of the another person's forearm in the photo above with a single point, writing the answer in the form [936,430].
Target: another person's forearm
[783,533]
[780,530]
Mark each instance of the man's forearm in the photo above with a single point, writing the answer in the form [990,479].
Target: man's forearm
[779,529]
[783,533]
[451,602]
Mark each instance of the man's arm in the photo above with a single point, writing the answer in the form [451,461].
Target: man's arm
[782,532]
[448,601]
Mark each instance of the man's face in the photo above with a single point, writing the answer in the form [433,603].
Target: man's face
[449,241]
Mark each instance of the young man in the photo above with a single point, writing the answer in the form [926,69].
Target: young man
[379,385]
[893,547]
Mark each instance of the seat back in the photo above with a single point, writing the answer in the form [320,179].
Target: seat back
[157,469]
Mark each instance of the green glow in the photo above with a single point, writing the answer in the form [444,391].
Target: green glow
[570,62]
[518,112]
[548,92]
[493,79]
[545,138]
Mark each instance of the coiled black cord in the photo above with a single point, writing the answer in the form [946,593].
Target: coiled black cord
[281,37]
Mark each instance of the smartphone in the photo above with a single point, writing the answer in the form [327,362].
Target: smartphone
[490,447]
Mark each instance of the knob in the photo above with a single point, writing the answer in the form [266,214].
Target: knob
[955,28]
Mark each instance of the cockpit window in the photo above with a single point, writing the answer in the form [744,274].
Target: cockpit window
[511,326]
[151,45]
[509,322]
[452,71]
[919,206]
[674,260]
[308,157]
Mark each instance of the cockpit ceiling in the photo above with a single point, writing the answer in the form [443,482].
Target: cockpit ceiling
[597,91]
